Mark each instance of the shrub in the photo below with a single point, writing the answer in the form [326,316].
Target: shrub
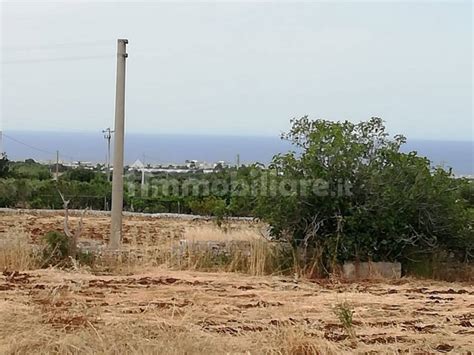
[56,251]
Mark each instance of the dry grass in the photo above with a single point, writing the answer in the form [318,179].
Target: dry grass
[216,234]
[245,253]
[188,312]
[149,299]
[17,252]
[25,330]
[204,247]
[295,340]
[239,250]
[255,257]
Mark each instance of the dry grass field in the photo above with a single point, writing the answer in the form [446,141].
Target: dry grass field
[152,307]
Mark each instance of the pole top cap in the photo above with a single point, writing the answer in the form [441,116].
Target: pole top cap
[124,40]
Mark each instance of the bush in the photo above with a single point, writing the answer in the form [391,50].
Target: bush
[56,251]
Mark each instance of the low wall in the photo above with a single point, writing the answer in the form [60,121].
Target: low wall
[73,212]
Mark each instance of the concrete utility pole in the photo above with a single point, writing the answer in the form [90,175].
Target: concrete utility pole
[143,172]
[117,177]
[108,135]
[57,165]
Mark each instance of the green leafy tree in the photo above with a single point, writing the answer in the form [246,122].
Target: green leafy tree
[209,206]
[29,170]
[4,166]
[367,199]
[80,174]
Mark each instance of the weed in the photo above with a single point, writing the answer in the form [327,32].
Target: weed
[344,313]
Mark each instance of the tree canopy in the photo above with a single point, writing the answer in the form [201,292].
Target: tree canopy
[379,203]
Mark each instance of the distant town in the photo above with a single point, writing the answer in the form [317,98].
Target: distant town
[188,166]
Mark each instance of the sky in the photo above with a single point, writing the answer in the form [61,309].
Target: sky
[238,68]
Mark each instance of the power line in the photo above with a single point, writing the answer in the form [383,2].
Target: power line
[153,159]
[48,47]
[28,145]
[59,59]
[36,148]
[56,45]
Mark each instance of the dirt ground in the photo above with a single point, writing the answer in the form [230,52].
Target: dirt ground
[405,316]
[185,312]
[97,227]
[141,234]
[136,229]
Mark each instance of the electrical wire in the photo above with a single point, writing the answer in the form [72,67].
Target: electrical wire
[48,47]
[152,159]
[27,145]
[58,59]
[53,46]
[36,148]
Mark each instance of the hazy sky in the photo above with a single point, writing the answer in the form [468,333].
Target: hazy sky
[239,68]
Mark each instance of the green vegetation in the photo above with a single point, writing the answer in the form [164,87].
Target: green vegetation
[397,207]
[212,194]
[344,313]
[347,192]
[4,167]
[58,251]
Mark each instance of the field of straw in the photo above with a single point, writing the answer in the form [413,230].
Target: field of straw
[148,300]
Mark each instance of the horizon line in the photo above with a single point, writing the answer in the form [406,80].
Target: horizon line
[253,135]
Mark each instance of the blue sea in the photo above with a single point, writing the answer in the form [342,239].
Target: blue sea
[157,148]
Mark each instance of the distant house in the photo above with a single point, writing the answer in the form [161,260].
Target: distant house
[191,164]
